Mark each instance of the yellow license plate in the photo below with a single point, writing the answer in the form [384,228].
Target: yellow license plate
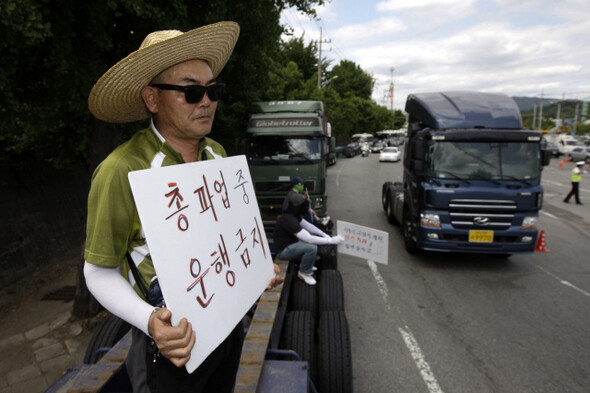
[481,236]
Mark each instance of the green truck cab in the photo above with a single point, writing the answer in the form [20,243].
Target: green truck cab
[286,139]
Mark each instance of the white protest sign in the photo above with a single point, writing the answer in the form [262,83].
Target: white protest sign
[207,242]
[363,242]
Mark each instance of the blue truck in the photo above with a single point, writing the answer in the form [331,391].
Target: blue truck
[472,176]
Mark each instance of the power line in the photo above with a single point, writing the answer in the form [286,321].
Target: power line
[334,47]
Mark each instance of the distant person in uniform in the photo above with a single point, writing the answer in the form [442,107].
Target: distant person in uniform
[576,178]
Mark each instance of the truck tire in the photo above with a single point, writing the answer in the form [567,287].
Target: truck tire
[328,258]
[335,359]
[330,291]
[303,297]
[409,243]
[385,194]
[389,210]
[108,333]
[298,335]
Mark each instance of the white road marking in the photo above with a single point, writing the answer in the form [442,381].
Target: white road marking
[548,214]
[408,337]
[380,282]
[566,283]
[338,175]
[423,367]
[553,182]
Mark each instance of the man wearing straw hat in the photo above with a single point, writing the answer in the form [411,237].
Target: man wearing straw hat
[170,78]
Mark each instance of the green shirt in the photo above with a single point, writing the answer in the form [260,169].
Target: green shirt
[113,228]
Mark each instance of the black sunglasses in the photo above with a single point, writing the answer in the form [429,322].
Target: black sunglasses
[195,93]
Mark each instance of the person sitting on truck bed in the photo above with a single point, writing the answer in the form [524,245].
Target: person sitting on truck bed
[171,79]
[297,238]
[299,188]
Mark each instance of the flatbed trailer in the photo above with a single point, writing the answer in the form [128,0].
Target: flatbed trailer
[284,350]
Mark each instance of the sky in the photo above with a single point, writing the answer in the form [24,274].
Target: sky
[532,48]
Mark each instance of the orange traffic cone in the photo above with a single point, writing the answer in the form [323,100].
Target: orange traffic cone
[561,163]
[541,243]
[567,159]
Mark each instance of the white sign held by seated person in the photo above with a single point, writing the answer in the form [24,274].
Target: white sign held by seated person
[363,242]
[205,235]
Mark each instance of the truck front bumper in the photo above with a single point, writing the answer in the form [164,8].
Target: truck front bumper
[511,241]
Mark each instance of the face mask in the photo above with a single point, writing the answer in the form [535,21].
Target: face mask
[299,188]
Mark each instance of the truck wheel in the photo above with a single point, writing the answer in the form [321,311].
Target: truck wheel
[385,194]
[303,297]
[298,335]
[331,291]
[335,360]
[409,243]
[389,211]
[108,333]
[328,258]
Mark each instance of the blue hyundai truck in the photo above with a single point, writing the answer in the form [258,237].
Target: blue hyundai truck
[472,176]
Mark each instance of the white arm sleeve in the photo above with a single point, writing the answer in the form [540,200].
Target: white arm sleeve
[307,237]
[116,295]
[309,227]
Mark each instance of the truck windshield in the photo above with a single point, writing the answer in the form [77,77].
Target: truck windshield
[273,149]
[483,160]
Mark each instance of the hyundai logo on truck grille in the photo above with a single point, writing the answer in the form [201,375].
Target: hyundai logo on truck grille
[482,221]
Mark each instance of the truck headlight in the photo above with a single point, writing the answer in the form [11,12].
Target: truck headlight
[319,202]
[530,222]
[429,220]
[539,200]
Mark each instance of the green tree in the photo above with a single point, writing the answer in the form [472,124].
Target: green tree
[351,80]
[304,56]
[52,56]
[285,83]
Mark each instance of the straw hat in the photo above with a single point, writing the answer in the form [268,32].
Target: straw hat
[116,97]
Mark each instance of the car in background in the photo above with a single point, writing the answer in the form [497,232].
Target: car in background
[579,153]
[390,153]
[376,147]
[552,148]
[352,149]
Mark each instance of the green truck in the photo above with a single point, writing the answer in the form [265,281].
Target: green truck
[286,139]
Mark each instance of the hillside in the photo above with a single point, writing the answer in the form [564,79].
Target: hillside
[550,106]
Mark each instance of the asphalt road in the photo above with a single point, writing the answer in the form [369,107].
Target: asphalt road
[466,323]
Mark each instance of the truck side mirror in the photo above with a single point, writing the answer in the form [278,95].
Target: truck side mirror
[545,157]
[418,151]
[243,145]
[417,166]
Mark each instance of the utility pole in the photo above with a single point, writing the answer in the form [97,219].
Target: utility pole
[320,59]
[391,87]
[541,113]
[534,116]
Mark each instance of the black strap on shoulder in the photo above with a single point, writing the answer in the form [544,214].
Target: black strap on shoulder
[137,276]
[204,155]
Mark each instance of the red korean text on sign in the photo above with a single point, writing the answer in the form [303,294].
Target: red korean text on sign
[176,199]
[195,269]
[243,183]
[206,196]
[221,261]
